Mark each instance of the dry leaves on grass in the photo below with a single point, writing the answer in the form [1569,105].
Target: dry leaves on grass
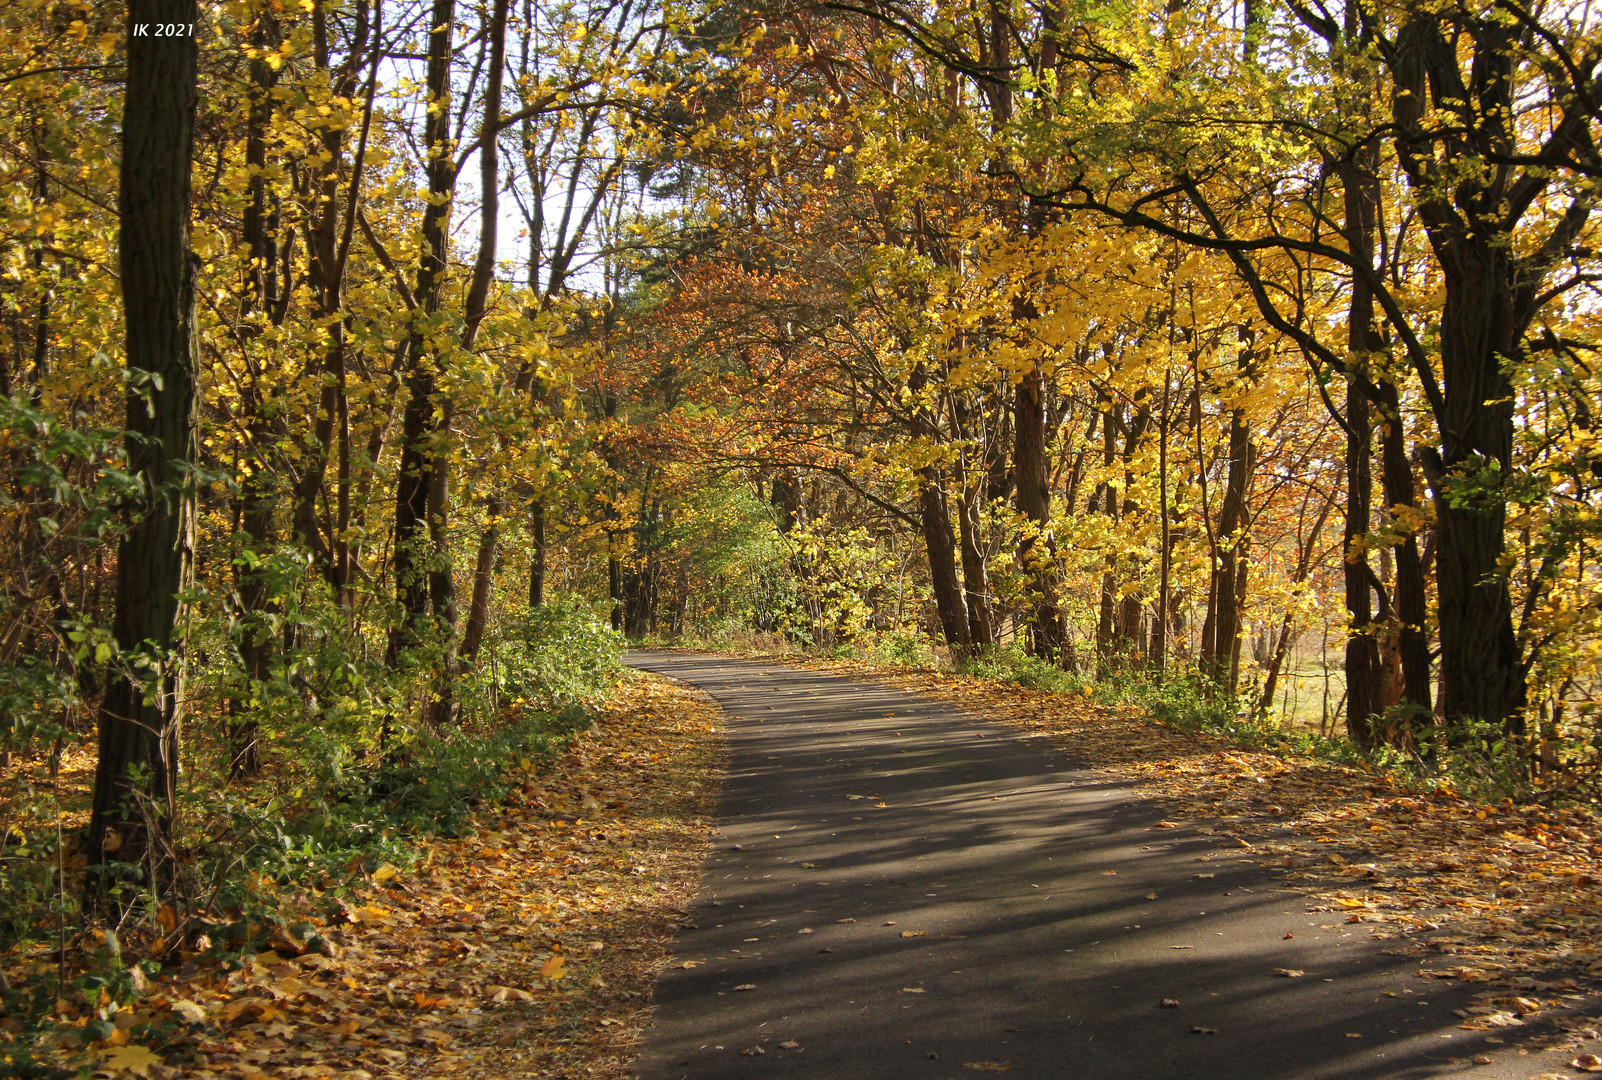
[525,949]
[1500,893]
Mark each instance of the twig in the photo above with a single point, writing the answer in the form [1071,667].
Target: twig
[61,913]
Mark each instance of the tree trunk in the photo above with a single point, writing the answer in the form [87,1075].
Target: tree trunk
[1480,658]
[1362,650]
[1229,590]
[476,305]
[422,569]
[975,574]
[141,713]
[536,565]
[1037,554]
[940,545]
[1411,600]
[258,489]
[1106,620]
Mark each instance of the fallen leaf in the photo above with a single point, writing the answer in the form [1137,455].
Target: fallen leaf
[134,1059]
[554,968]
[1168,1003]
[789,1044]
[914,933]
[745,986]
[1587,1063]
[912,989]
[688,964]
[1289,973]
[988,1066]
[1202,1030]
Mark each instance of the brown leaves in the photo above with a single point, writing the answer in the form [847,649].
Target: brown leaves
[477,962]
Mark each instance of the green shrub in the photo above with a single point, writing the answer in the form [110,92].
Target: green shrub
[557,656]
[904,648]
[1009,663]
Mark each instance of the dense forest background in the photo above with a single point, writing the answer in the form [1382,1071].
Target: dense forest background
[1240,359]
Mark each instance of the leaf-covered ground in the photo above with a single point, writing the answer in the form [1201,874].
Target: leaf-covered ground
[527,947]
[1503,895]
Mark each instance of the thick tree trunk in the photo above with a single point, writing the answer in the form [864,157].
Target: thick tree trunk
[142,711]
[1480,659]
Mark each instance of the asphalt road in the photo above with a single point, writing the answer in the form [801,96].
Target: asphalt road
[903,890]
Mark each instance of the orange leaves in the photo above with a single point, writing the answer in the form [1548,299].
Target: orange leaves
[441,968]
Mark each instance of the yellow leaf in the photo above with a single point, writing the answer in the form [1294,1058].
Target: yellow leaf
[554,968]
[134,1059]
[385,873]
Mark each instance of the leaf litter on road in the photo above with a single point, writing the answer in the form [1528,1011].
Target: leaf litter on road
[1497,894]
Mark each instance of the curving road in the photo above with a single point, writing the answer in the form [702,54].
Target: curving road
[903,890]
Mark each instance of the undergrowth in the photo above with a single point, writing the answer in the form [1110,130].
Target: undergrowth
[338,802]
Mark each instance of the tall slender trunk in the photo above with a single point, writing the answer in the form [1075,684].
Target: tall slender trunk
[1107,610]
[423,575]
[258,488]
[142,711]
[1131,606]
[940,545]
[1165,571]
[1038,551]
[1229,587]
[1410,596]
[327,273]
[536,567]
[477,306]
[975,574]
[1362,650]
